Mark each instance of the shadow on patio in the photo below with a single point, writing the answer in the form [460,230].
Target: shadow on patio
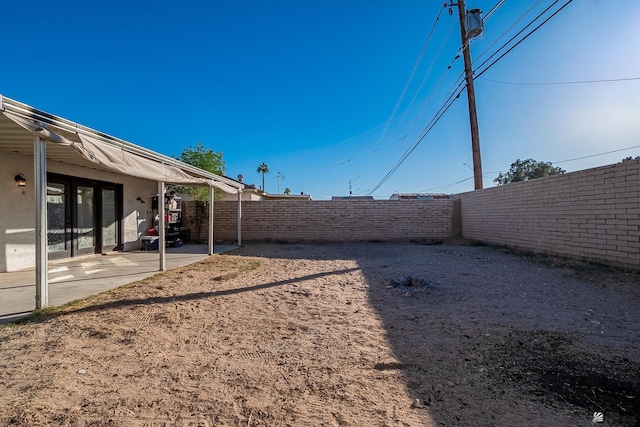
[76,278]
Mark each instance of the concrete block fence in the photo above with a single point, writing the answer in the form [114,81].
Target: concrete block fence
[591,215]
[338,221]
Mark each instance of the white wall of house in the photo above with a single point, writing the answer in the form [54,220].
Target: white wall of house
[17,214]
[17,211]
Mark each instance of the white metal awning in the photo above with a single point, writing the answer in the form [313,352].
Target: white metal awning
[82,146]
[30,132]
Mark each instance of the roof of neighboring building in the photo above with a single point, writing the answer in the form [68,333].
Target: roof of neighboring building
[424,196]
[351,197]
[298,197]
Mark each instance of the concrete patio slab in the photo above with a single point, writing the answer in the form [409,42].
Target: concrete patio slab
[76,278]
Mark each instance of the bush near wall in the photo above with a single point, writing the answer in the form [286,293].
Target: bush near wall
[338,221]
[591,215]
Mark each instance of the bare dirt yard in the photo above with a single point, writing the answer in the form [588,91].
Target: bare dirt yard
[337,335]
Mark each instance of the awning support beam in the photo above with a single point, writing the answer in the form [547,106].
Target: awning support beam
[211,198]
[161,226]
[239,218]
[40,189]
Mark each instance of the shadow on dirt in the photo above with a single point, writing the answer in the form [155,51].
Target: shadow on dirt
[486,338]
[547,364]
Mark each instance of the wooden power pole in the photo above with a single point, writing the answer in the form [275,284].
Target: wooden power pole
[471,96]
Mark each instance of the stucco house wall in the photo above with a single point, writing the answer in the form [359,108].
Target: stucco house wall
[17,212]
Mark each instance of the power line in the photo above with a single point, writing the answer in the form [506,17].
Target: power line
[453,184]
[583,157]
[493,10]
[424,133]
[451,99]
[507,30]
[564,83]
[454,94]
[425,103]
[597,155]
[522,39]
[518,33]
[446,186]
[415,66]
[406,87]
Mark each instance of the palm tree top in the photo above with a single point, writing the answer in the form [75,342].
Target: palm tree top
[263,168]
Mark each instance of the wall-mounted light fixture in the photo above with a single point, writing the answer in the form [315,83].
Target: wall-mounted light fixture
[141,200]
[21,181]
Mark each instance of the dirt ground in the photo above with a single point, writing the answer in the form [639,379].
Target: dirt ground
[337,335]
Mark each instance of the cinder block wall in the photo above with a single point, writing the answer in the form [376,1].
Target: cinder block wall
[338,221]
[592,215]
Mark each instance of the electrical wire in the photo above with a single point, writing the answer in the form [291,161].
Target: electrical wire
[452,99]
[453,95]
[410,150]
[519,32]
[424,104]
[446,186]
[597,155]
[522,39]
[415,66]
[493,10]
[477,58]
[404,90]
[564,83]
[580,158]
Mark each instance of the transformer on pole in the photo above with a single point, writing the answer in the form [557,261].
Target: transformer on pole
[471,25]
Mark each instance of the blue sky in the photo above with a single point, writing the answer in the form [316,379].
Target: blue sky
[314,88]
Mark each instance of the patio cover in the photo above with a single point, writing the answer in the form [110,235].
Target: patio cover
[101,151]
[79,145]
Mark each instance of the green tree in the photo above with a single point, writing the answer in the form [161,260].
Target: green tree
[263,168]
[287,191]
[203,158]
[524,170]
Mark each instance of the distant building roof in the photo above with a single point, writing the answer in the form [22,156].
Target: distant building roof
[419,196]
[299,197]
[351,197]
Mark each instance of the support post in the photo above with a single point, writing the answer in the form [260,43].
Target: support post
[471,97]
[239,217]
[211,198]
[161,226]
[40,189]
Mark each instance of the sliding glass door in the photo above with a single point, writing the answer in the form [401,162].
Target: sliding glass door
[110,223]
[58,220]
[83,216]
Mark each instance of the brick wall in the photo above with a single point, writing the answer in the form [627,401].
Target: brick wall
[371,220]
[592,215]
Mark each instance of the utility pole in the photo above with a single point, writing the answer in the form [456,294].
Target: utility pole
[471,97]
[279,176]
